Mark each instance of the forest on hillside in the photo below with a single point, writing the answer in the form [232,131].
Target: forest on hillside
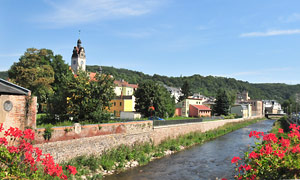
[206,85]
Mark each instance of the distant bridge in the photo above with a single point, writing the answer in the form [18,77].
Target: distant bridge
[270,116]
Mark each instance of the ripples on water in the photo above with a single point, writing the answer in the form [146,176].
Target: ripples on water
[207,161]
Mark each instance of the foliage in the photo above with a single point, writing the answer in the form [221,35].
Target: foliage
[88,99]
[149,95]
[275,157]
[4,75]
[208,85]
[20,160]
[48,132]
[57,103]
[185,90]
[33,71]
[222,103]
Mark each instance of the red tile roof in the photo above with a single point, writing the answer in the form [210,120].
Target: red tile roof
[202,107]
[125,84]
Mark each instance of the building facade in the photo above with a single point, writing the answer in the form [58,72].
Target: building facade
[199,111]
[184,106]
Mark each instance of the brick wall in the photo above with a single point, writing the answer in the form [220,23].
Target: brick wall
[78,131]
[19,116]
[91,140]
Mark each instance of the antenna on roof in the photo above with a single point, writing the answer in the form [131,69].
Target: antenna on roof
[78,33]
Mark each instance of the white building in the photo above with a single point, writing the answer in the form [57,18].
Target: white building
[78,58]
[175,92]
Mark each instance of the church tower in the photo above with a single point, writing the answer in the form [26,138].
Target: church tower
[78,58]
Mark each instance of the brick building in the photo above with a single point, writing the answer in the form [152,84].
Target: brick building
[17,107]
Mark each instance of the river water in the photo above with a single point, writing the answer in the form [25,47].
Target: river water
[210,160]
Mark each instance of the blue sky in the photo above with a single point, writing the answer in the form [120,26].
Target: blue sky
[250,40]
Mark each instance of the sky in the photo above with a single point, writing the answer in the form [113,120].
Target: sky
[250,40]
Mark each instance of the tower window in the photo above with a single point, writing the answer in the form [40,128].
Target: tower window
[74,62]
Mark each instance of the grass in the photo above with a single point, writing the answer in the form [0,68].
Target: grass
[116,159]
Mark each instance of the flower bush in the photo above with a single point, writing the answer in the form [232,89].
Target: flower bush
[20,160]
[275,156]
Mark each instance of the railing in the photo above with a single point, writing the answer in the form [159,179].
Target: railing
[173,122]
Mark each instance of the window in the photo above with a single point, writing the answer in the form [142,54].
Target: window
[74,62]
[114,103]
[120,103]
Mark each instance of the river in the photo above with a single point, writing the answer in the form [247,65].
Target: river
[210,160]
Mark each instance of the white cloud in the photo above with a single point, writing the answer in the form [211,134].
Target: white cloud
[271,33]
[72,12]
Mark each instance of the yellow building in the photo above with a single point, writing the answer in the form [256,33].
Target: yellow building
[122,103]
[123,88]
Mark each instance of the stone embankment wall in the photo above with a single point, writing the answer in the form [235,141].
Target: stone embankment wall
[162,133]
[92,140]
[81,131]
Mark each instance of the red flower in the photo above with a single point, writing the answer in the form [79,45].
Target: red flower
[64,177]
[1,127]
[280,130]
[28,134]
[3,141]
[270,138]
[285,142]
[253,155]
[72,169]
[247,167]
[12,149]
[235,159]
[15,132]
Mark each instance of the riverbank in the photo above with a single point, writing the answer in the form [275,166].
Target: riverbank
[125,157]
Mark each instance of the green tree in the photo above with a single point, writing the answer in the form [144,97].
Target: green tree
[57,103]
[88,99]
[185,90]
[222,103]
[150,94]
[34,72]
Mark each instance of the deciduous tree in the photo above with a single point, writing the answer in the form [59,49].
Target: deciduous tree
[151,94]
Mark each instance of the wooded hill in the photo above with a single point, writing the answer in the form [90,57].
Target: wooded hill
[206,85]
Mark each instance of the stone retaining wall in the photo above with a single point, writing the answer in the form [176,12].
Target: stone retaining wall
[78,131]
[161,133]
[133,132]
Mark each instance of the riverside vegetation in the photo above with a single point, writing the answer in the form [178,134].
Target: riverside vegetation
[124,157]
[275,155]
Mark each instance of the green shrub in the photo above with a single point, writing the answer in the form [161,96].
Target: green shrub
[48,132]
